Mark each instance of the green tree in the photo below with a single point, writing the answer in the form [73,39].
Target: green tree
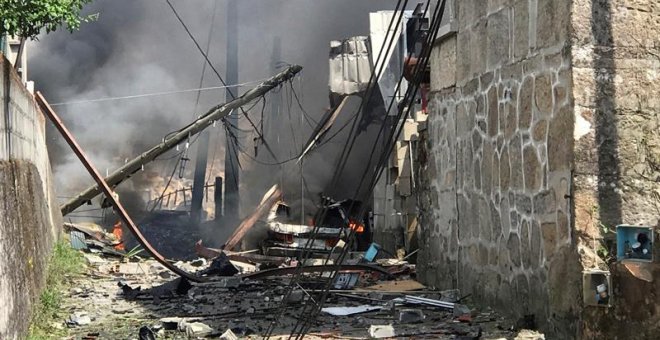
[26,18]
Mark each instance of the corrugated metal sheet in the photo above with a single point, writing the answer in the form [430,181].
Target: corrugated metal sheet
[380,34]
[350,65]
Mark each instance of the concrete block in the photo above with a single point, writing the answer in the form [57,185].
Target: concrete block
[443,64]
[410,130]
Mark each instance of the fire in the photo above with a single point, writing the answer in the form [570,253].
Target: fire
[356,226]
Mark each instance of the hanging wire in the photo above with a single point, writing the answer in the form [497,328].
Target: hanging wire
[153,94]
[403,113]
[307,247]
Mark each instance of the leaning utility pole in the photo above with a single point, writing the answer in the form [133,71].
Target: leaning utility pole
[232,198]
[217,112]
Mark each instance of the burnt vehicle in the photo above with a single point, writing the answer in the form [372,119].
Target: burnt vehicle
[333,223]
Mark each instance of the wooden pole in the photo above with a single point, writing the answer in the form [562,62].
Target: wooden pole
[216,113]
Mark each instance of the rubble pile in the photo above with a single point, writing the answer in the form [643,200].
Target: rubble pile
[130,297]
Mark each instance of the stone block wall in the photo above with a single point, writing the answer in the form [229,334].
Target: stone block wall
[616,76]
[495,212]
[30,219]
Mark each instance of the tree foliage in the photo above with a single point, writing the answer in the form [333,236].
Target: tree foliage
[26,18]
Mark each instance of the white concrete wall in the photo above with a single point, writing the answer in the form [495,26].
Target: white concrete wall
[30,219]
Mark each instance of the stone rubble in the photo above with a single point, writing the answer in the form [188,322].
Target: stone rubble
[231,308]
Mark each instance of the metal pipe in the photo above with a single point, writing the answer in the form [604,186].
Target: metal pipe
[216,113]
[105,188]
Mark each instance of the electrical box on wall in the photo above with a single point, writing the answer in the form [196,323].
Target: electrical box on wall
[597,288]
[634,243]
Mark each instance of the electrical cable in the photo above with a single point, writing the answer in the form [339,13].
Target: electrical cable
[306,252]
[417,78]
[192,37]
[152,94]
[302,109]
[369,92]
[418,72]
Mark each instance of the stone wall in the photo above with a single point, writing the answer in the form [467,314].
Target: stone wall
[495,185]
[616,72]
[30,219]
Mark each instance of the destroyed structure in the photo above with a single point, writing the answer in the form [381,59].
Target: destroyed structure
[515,169]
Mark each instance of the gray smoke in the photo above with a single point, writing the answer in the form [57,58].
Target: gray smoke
[139,47]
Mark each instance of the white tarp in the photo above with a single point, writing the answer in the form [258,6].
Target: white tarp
[343,311]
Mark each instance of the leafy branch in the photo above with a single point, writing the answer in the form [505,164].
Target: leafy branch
[26,18]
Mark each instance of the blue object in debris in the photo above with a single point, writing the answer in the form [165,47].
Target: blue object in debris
[77,240]
[371,253]
[634,243]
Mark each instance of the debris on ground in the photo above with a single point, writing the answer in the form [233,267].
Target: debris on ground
[124,302]
[230,295]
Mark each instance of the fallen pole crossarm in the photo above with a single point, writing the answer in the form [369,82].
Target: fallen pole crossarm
[105,188]
[216,113]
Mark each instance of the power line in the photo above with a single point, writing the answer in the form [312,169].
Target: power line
[306,252]
[410,94]
[152,94]
[199,48]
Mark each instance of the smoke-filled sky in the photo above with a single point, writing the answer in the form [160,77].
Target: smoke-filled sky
[138,46]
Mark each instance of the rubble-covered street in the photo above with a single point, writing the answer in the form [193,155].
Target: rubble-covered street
[297,169]
[117,299]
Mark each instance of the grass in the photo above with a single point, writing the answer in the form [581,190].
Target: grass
[65,264]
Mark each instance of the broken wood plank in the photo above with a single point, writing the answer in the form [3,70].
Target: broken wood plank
[398,286]
[270,198]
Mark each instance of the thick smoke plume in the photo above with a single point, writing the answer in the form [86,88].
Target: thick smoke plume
[138,47]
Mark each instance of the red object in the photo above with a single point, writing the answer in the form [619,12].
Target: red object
[105,188]
[119,234]
[465,318]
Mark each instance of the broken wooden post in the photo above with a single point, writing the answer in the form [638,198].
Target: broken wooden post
[272,197]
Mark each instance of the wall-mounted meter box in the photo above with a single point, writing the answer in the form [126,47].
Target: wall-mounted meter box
[597,288]
[634,243]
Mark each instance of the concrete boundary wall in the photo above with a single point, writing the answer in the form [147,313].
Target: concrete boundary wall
[30,219]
